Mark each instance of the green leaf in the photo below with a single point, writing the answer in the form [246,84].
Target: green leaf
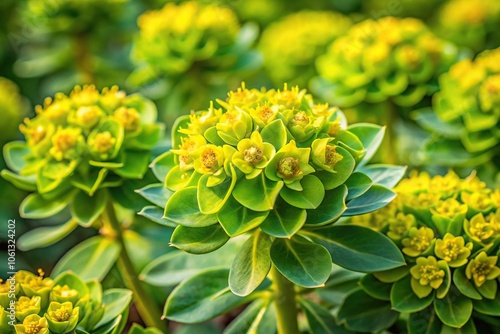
[182,208]
[488,289]
[86,209]
[310,197]
[251,265]
[115,302]
[464,285]
[319,319]
[488,306]
[45,236]
[211,199]
[362,313]
[332,207]
[340,284]
[375,198]
[136,164]
[371,136]
[343,169]
[403,299]
[284,220]
[424,322]
[91,181]
[257,194]
[156,193]
[237,219]
[303,262]
[275,134]
[454,309]
[91,259]
[357,184]
[162,165]
[202,297]
[392,275]
[258,317]
[199,240]
[19,181]
[384,175]
[138,329]
[468,328]
[358,248]
[429,120]
[14,154]
[125,195]
[155,214]
[148,138]
[34,206]
[375,288]
[170,269]
[107,328]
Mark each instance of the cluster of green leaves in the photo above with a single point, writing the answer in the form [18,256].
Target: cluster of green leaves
[33,304]
[449,231]
[191,47]
[282,170]
[465,115]
[79,150]
[390,59]
[291,45]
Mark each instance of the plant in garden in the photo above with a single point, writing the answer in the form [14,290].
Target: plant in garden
[191,47]
[69,42]
[448,230]
[291,45]
[281,170]
[34,304]
[83,151]
[390,59]
[471,24]
[465,114]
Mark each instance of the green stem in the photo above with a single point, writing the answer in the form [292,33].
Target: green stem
[84,58]
[286,308]
[145,304]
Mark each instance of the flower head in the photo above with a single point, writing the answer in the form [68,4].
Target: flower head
[427,274]
[418,240]
[482,268]
[33,324]
[453,250]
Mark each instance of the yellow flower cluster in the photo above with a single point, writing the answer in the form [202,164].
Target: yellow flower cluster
[291,45]
[390,58]
[442,222]
[469,22]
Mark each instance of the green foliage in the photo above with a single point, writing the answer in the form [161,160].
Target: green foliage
[65,304]
[447,229]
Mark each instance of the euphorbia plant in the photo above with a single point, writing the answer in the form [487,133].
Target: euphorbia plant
[281,170]
[449,231]
[81,152]
[465,115]
[34,304]
[191,47]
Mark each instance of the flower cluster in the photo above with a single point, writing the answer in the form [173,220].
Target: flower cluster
[469,103]
[34,304]
[177,36]
[448,229]
[290,46]
[387,59]
[470,23]
[12,108]
[260,150]
[83,142]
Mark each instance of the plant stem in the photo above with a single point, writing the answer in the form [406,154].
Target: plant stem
[143,301]
[84,58]
[286,308]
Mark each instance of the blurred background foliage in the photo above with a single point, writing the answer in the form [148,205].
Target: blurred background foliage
[183,54]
